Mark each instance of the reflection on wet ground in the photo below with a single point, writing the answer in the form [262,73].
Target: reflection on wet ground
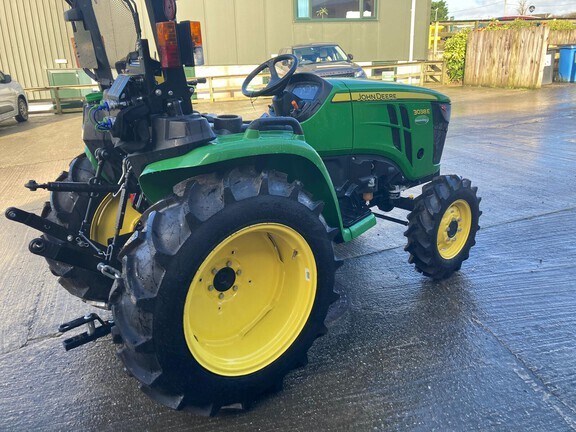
[492,348]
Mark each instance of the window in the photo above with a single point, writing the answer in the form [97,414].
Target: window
[335,9]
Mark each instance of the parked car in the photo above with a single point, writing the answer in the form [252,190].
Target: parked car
[325,60]
[13,100]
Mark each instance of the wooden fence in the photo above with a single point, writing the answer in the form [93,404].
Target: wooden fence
[448,29]
[562,37]
[507,58]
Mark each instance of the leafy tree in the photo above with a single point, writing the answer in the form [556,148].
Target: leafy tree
[442,9]
[522,7]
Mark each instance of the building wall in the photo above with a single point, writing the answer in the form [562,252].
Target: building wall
[249,31]
[33,35]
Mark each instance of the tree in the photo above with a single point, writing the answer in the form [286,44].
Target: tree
[522,7]
[439,11]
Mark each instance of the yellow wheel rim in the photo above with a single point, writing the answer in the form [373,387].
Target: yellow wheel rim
[104,220]
[250,299]
[454,229]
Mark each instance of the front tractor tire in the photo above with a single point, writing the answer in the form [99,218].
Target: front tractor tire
[442,226]
[224,290]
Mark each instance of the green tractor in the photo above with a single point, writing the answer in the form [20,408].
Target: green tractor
[210,238]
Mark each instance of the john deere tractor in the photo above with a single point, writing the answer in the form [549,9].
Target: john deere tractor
[210,238]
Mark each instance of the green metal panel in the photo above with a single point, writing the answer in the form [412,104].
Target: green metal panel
[356,118]
[62,78]
[373,135]
[282,151]
[355,85]
[372,104]
[330,130]
[359,228]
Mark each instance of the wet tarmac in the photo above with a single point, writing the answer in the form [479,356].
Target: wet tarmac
[492,348]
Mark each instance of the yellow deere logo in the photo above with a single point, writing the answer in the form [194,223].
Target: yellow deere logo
[379,96]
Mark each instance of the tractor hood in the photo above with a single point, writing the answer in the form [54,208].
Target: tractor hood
[370,90]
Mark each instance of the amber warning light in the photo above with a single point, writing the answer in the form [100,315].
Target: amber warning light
[196,33]
[168,44]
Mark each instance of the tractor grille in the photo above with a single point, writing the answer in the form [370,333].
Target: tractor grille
[401,132]
[407,133]
[393,116]
[441,117]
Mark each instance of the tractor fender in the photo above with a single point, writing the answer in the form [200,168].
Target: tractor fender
[278,150]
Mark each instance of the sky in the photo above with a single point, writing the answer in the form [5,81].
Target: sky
[478,9]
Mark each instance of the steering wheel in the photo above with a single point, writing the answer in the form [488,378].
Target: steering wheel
[276,84]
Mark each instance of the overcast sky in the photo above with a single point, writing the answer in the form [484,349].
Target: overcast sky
[463,9]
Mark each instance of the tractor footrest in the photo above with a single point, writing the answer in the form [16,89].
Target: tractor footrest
[94,332]
[351,215]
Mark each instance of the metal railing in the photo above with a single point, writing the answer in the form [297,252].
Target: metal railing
[220,88]
[58,101]
[228,87]
[416,73]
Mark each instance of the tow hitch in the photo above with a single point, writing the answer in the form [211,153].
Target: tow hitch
[94,332]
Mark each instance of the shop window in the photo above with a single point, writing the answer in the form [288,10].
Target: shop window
[335,9]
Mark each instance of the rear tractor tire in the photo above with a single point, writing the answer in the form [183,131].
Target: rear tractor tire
[68,209]
[224,290]
[442,227]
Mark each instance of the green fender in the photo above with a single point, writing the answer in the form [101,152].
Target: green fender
[279,150]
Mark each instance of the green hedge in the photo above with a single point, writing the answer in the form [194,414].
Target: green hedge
[455,56]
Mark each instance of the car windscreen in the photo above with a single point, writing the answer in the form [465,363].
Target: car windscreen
[320,54]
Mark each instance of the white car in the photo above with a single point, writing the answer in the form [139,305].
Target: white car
[13,101]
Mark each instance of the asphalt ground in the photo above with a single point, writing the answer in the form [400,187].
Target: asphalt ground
[491,348]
